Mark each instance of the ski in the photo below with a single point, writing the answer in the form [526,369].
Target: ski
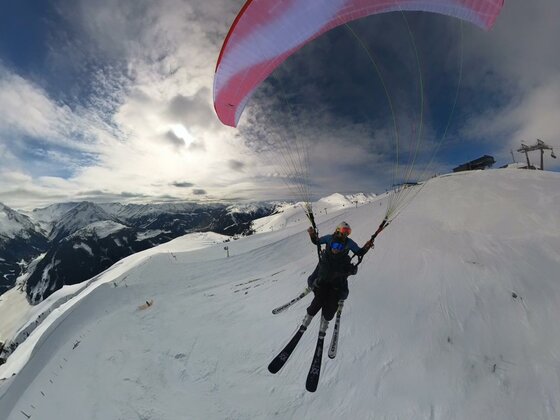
[315,369]
[283,356]
[334,340]
[290,303]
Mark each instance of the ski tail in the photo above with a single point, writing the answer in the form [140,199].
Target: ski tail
[280,360]
[334,340]
[282,308]
[315,369]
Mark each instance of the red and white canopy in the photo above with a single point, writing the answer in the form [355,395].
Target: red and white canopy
[267,32]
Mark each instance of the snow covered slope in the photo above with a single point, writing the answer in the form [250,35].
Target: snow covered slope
[287,214]
[454,315]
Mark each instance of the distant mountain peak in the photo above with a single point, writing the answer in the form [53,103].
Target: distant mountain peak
[346,199]
[82,215]
[13,223]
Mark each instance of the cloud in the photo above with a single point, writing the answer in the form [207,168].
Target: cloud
[197,145]
[174,139]
[512,72]
[182,184]
[236,165]
[122,106]
[524,120]
[29,112]
[195,110]
[132,79]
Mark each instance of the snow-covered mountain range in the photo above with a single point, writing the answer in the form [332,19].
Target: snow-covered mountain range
[75,241]
[453,316]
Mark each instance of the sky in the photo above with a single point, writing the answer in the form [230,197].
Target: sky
[112,101]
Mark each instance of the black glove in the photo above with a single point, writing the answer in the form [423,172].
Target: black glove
[313,284]
[352,269]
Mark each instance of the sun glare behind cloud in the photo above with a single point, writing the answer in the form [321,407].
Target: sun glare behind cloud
[181,132]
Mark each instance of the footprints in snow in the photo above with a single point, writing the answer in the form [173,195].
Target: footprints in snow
[54,375]
[246,286]
[254,283]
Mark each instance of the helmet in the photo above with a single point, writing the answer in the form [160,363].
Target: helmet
[344,229]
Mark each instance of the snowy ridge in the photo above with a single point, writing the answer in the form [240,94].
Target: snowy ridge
[15,306]
[47,216]
[13,224]
[86,238]
[21,240]
[289,214]
[248,208]
[131,211]
[452,316]
[339,200]
[101,229]
[77,218]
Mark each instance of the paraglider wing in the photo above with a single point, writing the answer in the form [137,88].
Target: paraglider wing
[267,32]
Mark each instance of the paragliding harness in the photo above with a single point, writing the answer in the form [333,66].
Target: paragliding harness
[309,289]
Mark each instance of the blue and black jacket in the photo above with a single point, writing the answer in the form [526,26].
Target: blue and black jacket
[350,245]
[334,268]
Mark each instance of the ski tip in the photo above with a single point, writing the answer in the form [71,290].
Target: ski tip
[275,366]
[332,356]
[311,387]
[272,368]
